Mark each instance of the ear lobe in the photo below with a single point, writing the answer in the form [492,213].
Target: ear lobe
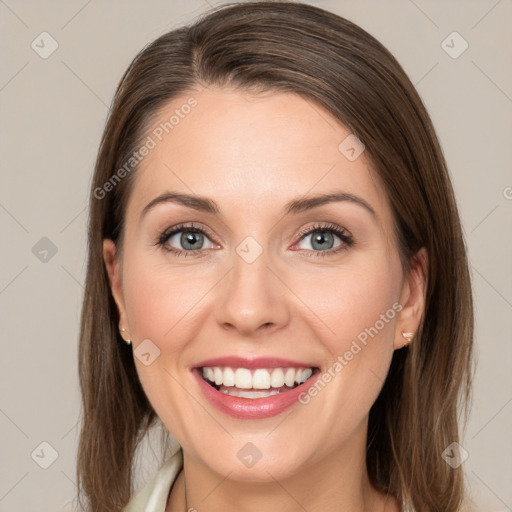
[412,298]
[110,257]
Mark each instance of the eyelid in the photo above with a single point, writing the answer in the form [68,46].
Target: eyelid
[342,233]
[334,228]
[187,226]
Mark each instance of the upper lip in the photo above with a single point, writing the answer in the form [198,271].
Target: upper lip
[257,362]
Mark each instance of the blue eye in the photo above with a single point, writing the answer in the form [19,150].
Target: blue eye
[188,238]
[323,239]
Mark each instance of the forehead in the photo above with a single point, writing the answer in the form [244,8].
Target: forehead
[250,153]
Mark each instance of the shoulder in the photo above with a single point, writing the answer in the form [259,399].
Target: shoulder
[153,497]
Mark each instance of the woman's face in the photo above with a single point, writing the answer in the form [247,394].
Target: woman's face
[303,284]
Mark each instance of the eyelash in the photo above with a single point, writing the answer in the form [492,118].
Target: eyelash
[346,239]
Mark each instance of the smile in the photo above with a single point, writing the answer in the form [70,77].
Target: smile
[255,383]
[255,388]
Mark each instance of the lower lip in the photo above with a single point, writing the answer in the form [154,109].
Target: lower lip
[252,408]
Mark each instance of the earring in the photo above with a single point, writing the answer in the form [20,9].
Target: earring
[408,337]
[128,342]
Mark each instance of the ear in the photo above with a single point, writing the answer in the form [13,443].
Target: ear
[112,263]
[412,298]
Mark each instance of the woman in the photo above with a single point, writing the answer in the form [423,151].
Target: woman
[273,234]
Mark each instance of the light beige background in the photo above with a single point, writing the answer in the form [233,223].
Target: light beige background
[53,112]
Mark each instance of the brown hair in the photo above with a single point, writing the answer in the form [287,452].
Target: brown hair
[333,63]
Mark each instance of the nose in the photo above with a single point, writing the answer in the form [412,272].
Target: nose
[252,300]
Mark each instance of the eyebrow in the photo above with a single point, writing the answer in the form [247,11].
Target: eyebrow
[204,204]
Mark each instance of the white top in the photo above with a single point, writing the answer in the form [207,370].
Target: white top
[153,498]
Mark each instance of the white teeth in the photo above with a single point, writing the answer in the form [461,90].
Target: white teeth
[306,374]
[249,394]
[243,378]
[217,372]
[277,378]
[261,378]
[229,377]
[289,377]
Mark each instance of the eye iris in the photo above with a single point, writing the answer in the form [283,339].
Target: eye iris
[188,239]
[323,238]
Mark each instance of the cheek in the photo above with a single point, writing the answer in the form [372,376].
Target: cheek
[158,299]
[349,300]
[160,307]
[356,306]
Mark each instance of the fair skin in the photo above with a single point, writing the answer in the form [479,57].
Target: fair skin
[252,154]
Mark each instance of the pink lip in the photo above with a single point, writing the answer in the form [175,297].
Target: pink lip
[252,408]
[258,362]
